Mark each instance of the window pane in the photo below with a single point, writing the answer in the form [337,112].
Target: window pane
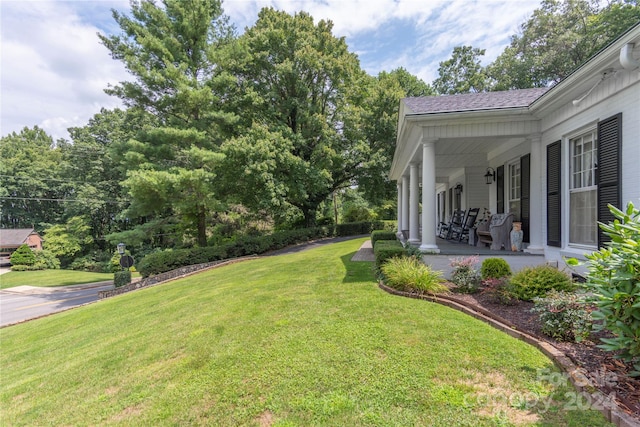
[583,221]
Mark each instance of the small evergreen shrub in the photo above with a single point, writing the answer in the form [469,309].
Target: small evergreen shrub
[45,260]
[386,249]
[495,268]
[614,277]
[532,282]
[23,256]
[499,291]
[409,274]
[381,235]
[464,274]
[564,316]
[121,278]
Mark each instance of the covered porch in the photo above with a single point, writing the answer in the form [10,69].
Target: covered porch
[457,152]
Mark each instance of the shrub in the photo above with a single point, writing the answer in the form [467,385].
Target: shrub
[160,262]
[564,316]
[357,214]
[409,274]
[20,268]
[614,277]
[532,282]
[121,278]
[464,274]
[45,260]
[499,291]
[23,256]
[387,249]
[495,268]
[357,228]
[381,235]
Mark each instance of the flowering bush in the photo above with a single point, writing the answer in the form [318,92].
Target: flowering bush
[465,274]
[565,316]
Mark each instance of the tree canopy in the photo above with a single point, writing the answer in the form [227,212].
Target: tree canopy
[224,133]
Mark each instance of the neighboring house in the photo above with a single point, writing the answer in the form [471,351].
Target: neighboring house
[12,239]
[555,157]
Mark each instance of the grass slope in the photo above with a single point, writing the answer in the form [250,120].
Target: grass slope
[304,339]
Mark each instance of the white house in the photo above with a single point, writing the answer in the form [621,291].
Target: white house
[555,157]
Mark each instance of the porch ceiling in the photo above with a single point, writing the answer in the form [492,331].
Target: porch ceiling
[455,153]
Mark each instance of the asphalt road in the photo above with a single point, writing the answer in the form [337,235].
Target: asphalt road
[27,302]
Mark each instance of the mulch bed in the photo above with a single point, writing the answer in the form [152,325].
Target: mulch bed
[608,374]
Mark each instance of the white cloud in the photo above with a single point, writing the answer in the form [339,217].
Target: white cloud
[54,69]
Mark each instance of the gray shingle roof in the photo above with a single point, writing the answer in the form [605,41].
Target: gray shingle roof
[13,237]
[473,101]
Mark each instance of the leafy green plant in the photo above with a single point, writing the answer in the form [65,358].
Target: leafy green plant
[465,275]
[46,260]
[23,256]
[386,249]
[564,316]
[532,282]
[121,278]
[495,268]
[499,291]
[412,275]
[382,235]
[614,277]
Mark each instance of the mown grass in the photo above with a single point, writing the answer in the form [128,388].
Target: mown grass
[295,340]
[48,278]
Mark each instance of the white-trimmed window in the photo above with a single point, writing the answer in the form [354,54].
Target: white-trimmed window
[583,190]
[514,189]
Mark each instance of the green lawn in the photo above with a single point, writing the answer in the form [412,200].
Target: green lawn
[48,278]
[295,340]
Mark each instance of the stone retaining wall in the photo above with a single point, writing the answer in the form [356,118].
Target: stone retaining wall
[169,275]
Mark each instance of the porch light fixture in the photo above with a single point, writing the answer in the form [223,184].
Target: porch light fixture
[490,176]
[458,189]
[121,248]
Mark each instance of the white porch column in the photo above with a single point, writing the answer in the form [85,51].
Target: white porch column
[536,212]
[429,198]
[405,204]
[399,187]
[414,194]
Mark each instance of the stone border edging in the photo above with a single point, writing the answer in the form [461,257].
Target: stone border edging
[596,399]
[169,276]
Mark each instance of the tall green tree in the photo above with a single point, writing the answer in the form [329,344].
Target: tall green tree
[32,188]
[171,49]
[462,73]
[378,125]
[302,89]
[94,162]
[559,37]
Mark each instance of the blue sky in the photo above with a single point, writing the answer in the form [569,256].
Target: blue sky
[53,69]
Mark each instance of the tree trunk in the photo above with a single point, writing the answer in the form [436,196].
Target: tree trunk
[202,226]
[309,217]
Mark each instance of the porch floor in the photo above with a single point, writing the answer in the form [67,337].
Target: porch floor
[450,250]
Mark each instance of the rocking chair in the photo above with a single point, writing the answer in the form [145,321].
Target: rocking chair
[460,231]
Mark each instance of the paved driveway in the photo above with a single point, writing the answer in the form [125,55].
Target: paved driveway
[28,302]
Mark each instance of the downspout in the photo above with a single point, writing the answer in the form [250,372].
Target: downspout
[626,58]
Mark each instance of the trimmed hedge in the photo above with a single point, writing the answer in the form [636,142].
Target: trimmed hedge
[386,249]
[121,278]
[170,259]
[382,235]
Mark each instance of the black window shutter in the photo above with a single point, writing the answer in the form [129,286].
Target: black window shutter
[500,188]
[608,173]
[525,190]
[554,206]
